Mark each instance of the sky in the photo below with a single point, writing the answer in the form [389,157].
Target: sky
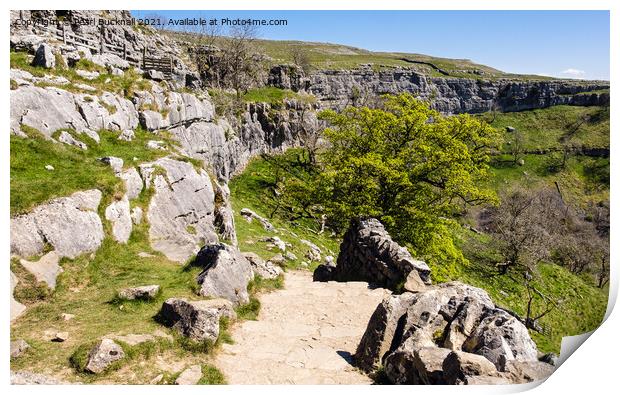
[567,44]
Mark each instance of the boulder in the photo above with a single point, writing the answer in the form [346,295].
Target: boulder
[118,214]
[110,60]
[368,253]
[190,376]
[70,225]
[18,347]
[313,253]
[459,365]
[44,57]
[198,320]
[224,218]
[181,210]
[226,273]
[153,120]
[102,355]
[45,269]
[261,268]
[275,242]
[144,292]
[408,333]
[16,308]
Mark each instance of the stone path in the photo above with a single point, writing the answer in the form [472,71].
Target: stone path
[305,334]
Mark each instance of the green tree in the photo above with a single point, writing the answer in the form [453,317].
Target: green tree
[406,165]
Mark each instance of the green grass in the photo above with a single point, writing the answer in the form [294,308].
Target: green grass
[211,376]
[551,127]
[74,169]
[253,189]
[268,94]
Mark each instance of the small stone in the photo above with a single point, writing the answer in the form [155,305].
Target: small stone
[144,292]
[18,347]
[66,138]
[414,283]
[290,256]
[278,259]
[156,144]
[115,163]
[127,135]
[143,254]
[49,167]
[521,162]
[67,317]
[190,376]
[60,337]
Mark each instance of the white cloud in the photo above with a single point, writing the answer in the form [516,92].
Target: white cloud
[573,72]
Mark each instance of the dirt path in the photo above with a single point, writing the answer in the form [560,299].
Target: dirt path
[305,334]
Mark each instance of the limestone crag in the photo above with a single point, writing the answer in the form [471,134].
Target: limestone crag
[338,88]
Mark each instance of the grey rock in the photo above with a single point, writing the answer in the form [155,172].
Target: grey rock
[413,282]
[24,377]
[155,75]
[378,338]
[45,269]
[17,308]
[110,60]
[184,107]
[144,292]
[136,215]
[458,365]
[412,364]
[250,215]
[183,197]
[290,256]
[324,272]
[156,145]
[89,75]
[261,268]
[510,129]
[70,225]
[224,218]
[275,242]
[226,273]
[153,120]
[198,320]
[60,337]
[550,358]
[190,376]
[500,338]
[368,253]
[102,355]
[44,57]
[67,316]
[118,214]
[127,135]
[313,253]
[49,167]
[115,163]
[18,347]
[133,182]
[527,371]
[66,138]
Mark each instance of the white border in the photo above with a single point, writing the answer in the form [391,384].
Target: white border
[592,368]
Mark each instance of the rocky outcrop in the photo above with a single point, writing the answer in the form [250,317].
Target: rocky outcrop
[198,320]
[226,273]
[70,225]
[446,334]
[181,211]
[338,88]
[368,253]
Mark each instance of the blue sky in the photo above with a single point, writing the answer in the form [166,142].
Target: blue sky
[568,44]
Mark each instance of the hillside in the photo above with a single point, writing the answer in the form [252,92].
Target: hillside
[153,210]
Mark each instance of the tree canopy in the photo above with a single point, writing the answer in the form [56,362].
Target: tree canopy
[405,164]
